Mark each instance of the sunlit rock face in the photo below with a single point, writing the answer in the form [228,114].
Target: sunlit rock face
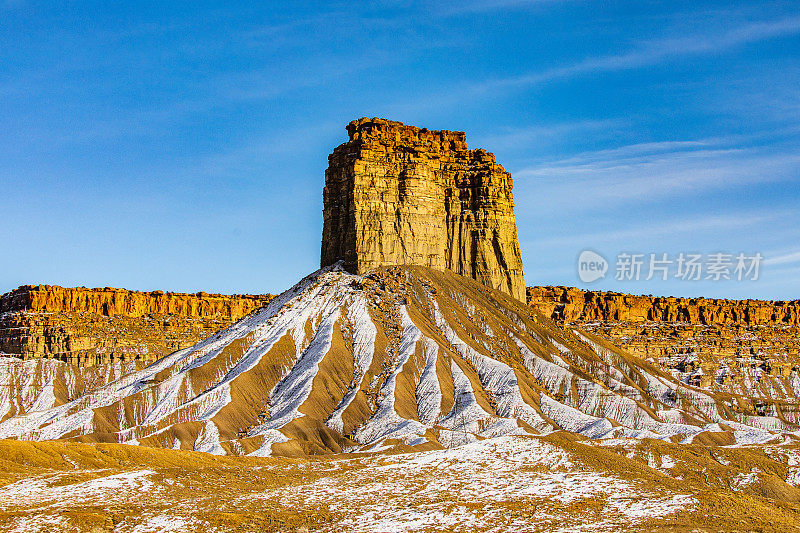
[107,325]
[402,195]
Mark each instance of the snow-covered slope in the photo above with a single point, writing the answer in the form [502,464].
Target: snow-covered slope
[403,356]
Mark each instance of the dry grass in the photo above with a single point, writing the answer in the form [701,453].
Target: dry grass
[210,493]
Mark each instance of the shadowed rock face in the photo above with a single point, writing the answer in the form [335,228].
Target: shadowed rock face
[401,195]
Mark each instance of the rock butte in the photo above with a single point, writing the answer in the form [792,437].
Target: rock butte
[402,195]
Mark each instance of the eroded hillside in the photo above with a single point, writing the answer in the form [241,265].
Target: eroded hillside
[479,410]
[513,483]
[403,357]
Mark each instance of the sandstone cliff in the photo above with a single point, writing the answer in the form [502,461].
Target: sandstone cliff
[397,194]
[90,326]
[572,304]
[713,343]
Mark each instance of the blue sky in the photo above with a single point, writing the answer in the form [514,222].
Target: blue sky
[181,145]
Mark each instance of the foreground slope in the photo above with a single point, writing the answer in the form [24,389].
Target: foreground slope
[402,357]
[560,482]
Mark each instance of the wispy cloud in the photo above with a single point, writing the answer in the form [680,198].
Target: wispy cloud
[515,138]
[656,51]
[243,161]
[652,171]
[655,229]
[643,54]
[479,6]
[793,257]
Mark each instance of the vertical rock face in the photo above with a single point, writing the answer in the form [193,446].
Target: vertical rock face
[96,326]
[401,195]
[575,305]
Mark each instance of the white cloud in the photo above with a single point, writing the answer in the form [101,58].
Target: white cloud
[477,6]
[651,171]
[689,225]
[793,257]
[515,138]
[655,51]
[644,54]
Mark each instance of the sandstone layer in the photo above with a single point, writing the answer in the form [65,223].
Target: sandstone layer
[572,304]
[91,326]
[713,343]
[402,195]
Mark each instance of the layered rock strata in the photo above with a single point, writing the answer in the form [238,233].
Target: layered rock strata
[714,343]
[572,304]
[91,326]
[401,195]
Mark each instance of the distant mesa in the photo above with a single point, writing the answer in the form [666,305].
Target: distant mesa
[104,325]
[402,195]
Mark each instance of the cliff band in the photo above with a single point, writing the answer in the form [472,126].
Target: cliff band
[104,325]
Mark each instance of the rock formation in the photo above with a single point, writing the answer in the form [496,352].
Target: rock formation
[575,305]
[403,357]
[391,371]
[720,344]
[401,195]
[92,326]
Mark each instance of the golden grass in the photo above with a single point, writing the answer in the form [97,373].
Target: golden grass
[233,493]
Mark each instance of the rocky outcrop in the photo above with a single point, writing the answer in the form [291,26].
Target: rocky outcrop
[714,343]
[401,195]
[90,326]
[575,305]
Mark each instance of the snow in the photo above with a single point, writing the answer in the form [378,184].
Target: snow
[793,476]
[603,397]
[164,524]
[667,462]
[37,491]
[467,419]
[656,507]
[469,487]
[742,481]
[364,333]
[208,440]
[34,382]
[270,436]
[293,390]
[745,435]
[46,399]
[497,378]
[428,391]
[385,423]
